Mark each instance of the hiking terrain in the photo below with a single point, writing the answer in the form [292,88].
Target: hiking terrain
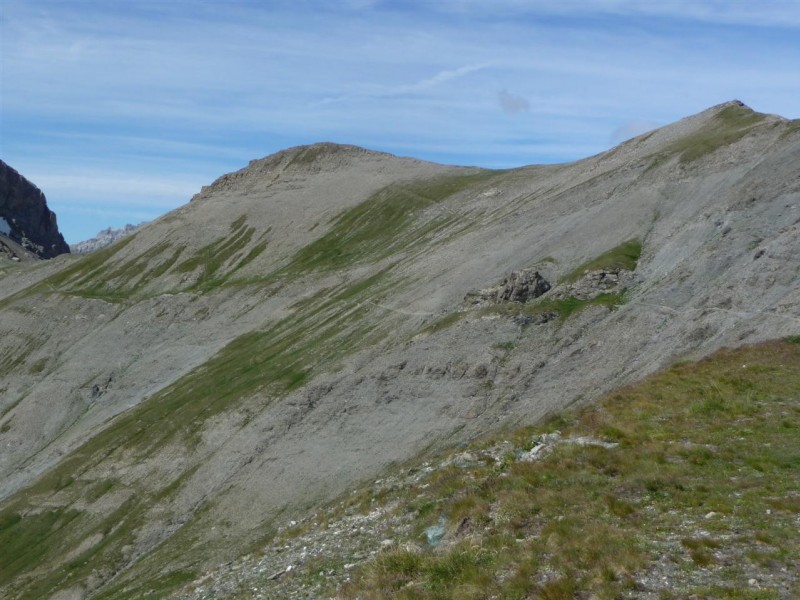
[329,313]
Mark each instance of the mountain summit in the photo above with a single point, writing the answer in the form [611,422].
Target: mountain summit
[305,323]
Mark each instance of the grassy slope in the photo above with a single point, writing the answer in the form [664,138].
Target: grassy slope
[625,256]
[270,363]
[700,497]
[374,230]
[727,127]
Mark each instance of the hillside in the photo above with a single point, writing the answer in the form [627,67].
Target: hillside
[682,485]
[326,312]
[104,238]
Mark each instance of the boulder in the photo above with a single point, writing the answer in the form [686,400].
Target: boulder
[519,286]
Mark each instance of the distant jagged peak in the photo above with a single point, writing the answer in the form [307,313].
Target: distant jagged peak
[104,238]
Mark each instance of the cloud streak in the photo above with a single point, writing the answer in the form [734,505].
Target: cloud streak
[131,101]
[767,13]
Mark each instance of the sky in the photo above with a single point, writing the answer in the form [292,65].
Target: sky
[120,110]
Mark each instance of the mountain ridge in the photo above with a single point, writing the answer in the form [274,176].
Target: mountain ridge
[104,238]
[301,325]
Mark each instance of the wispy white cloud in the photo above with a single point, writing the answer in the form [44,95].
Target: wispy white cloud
[766,13]
[162,97]
[115,188]
[374,91]
[129,216]
[439,78]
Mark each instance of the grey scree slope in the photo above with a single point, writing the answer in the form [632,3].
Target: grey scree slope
[312,278]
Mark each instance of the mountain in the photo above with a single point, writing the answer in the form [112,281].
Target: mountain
[104,238]
[27,227]
[678,486]
[327,312]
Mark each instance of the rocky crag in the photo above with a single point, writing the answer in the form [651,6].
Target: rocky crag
[26,220]
[301,326]
[104,238]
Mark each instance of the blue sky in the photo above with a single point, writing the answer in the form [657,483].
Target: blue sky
[120,110]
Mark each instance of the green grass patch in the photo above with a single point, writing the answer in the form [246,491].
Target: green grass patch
[625,256]
[38,367]
[101,275]
[92,266]
[700,459]
[99,489]
[27,540]
[727,127]
[563,307]
[384,224]
[445,322]
[15,355]
[157,588]
[210,260]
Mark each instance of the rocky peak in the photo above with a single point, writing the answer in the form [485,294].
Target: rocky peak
[25,218]
[104,238]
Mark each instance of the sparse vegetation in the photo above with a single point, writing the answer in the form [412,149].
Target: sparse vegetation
[708,454]
[792,128]
[563,307]
[210,260]
[101,276]
[444,322]
[273,362]
[625,256]
[729,126]
[384,224]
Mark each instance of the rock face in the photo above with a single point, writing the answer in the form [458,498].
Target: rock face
[25,218]
[104,238]
[519,286]
[596,282]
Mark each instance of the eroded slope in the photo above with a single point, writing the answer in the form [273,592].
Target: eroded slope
[301,325]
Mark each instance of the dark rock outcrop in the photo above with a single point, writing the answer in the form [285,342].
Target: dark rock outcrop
[25,218]
[594,283]
[518,286]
